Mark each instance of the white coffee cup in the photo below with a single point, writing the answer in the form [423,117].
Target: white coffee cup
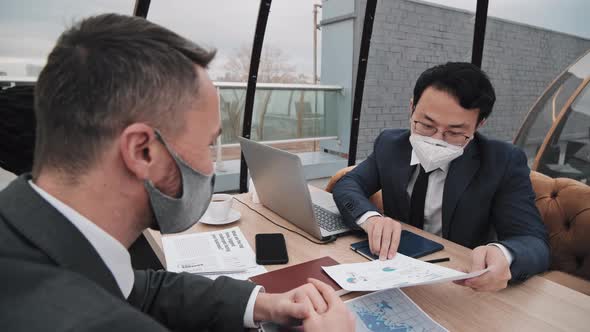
[219,207]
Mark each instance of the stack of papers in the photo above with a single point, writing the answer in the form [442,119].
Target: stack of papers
[401,271]
[224,252]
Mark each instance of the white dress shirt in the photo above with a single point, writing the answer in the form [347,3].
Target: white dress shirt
[432,203]
[115,255]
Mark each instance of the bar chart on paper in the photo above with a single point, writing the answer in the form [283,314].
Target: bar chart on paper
[390,311]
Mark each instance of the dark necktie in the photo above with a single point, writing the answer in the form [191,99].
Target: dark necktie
[418,198]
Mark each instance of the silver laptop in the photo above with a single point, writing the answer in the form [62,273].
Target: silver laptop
[281,187]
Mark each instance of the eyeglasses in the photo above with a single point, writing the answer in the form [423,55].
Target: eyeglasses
[450,137]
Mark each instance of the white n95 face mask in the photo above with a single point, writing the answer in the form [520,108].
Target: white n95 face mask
[434,153]
[175,215]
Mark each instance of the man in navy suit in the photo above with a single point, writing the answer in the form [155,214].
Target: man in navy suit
[446,178]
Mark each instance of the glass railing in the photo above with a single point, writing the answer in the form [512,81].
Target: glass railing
[281,111]
[293,117]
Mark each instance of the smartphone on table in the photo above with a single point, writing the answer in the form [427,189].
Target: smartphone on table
[271,249]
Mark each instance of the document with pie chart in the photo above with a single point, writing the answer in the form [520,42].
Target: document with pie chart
[401,271]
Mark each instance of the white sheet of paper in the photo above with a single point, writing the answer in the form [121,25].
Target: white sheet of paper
[218,252]
[463,276]
[401,271]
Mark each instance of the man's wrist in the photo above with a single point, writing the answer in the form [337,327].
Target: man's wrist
[263,307]
[505,252]
[365,225]
[366,216]
[249,317]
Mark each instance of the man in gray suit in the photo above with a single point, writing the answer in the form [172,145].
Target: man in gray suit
[126,115]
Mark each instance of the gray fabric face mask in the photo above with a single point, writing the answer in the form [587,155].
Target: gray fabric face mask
[175,215]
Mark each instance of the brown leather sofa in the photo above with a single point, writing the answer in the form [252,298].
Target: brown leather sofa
[564,205]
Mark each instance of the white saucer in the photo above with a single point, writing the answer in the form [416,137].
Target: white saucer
[232,217]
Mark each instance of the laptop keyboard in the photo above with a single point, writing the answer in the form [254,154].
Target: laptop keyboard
[328,220]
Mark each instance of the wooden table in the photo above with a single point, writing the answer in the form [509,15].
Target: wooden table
[535,305]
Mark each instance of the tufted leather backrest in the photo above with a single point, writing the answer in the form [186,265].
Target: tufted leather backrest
[376,199]
[564,205]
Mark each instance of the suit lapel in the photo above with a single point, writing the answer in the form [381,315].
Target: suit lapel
[402,173]
[461,172]
[51,232]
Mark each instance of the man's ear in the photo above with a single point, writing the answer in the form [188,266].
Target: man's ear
[481,123]
[137,143]
[412,106]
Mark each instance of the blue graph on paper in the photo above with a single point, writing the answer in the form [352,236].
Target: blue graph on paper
[390,311]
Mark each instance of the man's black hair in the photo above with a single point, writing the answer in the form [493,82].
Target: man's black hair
[465,81]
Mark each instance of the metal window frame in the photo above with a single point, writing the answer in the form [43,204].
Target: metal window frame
[542,98]
[359,86]
[479,32]
[141,8]
[558,123]
[261,22]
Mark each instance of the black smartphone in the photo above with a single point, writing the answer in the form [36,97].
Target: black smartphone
[271,249]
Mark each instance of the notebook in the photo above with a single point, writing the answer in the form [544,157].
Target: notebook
[284,280]
[411,244]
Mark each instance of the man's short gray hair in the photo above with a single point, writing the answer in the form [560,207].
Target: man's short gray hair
[105,73]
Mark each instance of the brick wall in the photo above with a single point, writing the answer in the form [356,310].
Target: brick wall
[411,36]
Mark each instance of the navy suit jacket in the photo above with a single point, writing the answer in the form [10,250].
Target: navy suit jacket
[487,194]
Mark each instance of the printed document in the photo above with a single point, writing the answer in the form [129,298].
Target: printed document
[401,271]
[224,252]
[390,310]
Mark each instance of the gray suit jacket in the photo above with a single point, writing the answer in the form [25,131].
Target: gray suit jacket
[52,279]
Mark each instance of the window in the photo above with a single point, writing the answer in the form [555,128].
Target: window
[547,112]
[568,151]
[29,29]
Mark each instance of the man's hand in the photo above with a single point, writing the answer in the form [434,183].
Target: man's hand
[496,278]
[336,318]
[290,307]
[383,234]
